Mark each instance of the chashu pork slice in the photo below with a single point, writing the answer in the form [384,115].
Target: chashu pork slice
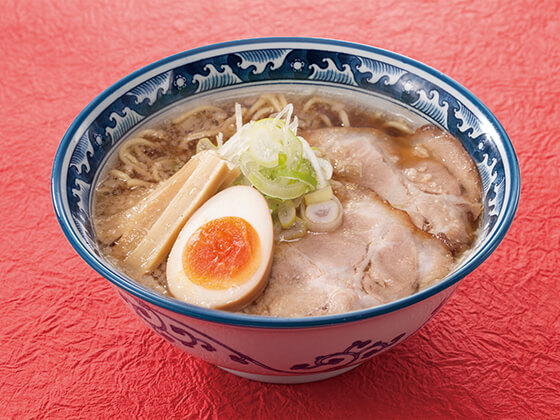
[428,174]
[376,256]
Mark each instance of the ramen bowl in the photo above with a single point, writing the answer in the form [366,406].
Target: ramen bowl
[282,350]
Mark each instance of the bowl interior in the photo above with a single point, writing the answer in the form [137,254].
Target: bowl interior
[392,82]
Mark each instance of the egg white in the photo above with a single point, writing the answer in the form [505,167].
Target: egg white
[238,201]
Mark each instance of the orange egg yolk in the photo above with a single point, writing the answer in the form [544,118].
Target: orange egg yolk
[222,253]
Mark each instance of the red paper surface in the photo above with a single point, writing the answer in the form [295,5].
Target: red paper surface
[70,349]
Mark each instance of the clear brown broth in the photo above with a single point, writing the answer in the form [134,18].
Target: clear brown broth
[112,195]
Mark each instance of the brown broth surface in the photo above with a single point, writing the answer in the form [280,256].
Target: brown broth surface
[167,146]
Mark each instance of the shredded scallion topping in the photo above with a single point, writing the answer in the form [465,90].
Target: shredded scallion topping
[281,165]
[274,159]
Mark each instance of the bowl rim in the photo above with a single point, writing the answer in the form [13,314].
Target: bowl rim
[231,318]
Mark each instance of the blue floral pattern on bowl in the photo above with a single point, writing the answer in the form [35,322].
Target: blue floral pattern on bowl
[177,332]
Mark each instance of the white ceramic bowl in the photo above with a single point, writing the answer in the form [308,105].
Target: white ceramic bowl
[276,349]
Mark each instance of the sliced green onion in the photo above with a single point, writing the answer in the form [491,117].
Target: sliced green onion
[264,148]
[318,196]
[273,203]
[274,161]
[273,187]
[286,214]
[325,216]
[297,176]
[314,160]
[283,167]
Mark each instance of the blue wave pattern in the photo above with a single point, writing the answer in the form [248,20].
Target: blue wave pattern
[123,122]
[332,73]
[83,152]
[149,90]
[430,105]
[216,77]
[469,124]
[252,66]
[386,73]
[260,59]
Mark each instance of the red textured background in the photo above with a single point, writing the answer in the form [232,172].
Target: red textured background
[70,349]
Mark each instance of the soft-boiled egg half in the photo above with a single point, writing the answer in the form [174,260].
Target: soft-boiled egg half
[222,256]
